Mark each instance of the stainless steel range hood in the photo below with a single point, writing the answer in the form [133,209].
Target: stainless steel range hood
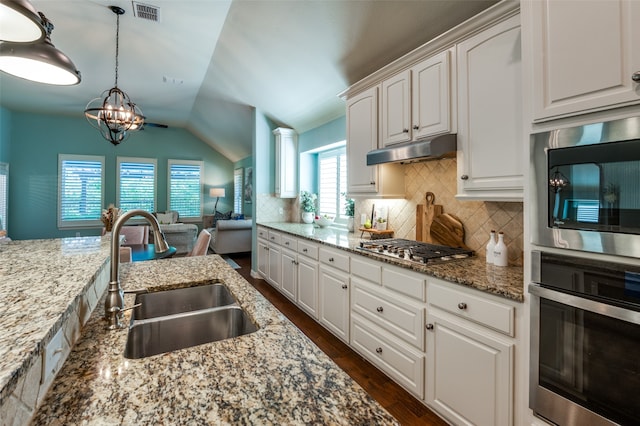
[409,152]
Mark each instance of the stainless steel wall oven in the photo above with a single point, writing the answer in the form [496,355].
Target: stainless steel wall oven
[586,187]
[585,341]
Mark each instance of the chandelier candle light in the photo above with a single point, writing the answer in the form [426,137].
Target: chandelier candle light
[113,113]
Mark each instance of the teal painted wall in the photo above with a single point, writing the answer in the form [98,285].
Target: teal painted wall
[329,133]
[36,140]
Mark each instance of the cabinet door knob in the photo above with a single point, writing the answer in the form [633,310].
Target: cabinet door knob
[344,286]
[405,130]
[429,326]
[304,250]
[462,306]
[331,259]
[379,309]
[416,127]
[372,183]
[286,243]
[464,177]
[379,350]
[636,77]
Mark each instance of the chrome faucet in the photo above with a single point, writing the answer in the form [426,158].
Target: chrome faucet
[114,304]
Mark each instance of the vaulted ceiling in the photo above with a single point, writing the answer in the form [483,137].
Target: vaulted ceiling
[207,63]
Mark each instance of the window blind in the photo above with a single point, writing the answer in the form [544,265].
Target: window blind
[4,195]
[185,182]
[136,184]
[237,191]
[332,170]
[81,180]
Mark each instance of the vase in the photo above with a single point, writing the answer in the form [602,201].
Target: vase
[381,226]
[350,225]
[307,217]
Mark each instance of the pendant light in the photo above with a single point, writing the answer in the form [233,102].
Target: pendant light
[113,113]
[37,61]
[20,22]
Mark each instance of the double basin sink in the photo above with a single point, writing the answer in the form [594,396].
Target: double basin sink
[169,320]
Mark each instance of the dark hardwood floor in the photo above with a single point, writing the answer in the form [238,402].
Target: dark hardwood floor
[402,405]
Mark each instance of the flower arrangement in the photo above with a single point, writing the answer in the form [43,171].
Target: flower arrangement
[109,216]
[308,201]
[350,207]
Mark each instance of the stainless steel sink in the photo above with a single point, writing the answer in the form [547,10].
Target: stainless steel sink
[176,319]
[188,299]
[170,333]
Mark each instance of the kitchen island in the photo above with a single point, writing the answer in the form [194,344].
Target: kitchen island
[473,272]
[273,376]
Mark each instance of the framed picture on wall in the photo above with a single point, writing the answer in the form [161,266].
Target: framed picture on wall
[248,185]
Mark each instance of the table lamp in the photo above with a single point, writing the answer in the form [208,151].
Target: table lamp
[216,192]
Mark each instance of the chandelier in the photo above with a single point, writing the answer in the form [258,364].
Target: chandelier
[113,113]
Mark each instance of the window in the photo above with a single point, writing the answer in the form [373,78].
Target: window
[332,183]
[136,186]
[80,190]
[185,188]
[4,197]
[237,191]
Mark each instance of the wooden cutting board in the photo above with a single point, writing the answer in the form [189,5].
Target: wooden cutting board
[447,230]
[425,213]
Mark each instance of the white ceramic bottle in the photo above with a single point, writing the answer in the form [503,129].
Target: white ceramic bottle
[491,246]
[500,255]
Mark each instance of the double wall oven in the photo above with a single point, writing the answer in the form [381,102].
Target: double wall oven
[585,309]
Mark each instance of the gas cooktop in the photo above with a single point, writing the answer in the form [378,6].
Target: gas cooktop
[414,251]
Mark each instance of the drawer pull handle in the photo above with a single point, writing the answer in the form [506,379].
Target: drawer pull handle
[429,326]
[286,243]
[462,306]
[464,177]
[405,130]
[331,259]
[636,77]
[379,350]
[416,127]
[379,309]
[304,250]
[344,286]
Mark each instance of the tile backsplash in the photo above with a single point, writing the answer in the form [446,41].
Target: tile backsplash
[478,217]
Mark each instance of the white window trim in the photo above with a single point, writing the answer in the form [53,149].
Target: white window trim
[4,170]
[142,160]
[78,223]
[237,192]
[189,163]
[332,150]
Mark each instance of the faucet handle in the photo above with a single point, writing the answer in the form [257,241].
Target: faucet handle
[114,316]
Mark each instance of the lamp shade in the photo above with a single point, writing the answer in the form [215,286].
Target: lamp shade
[20,22]
[216,192]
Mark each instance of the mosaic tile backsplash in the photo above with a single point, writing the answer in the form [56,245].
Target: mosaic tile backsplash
[439,177]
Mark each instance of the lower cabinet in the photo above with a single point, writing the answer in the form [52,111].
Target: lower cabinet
[275,271]
[307,297]
[334,301]
[263,258]
[289,270]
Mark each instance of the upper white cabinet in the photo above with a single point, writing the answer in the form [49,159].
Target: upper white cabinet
[385,180]
[286,185]
[416,103]
[490,142]
[585,55]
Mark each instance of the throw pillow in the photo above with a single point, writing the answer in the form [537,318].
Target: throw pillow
[165,218]
[221,216]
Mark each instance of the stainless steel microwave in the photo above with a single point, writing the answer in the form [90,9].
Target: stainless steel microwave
[586,188]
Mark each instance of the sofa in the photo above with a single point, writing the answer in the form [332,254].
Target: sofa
[182,236]
[231,236]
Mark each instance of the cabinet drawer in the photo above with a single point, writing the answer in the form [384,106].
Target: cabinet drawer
[490,313]
[289,242]
[275,237]
[370,270]
[403,364]
[335,259]
[402,318]
[263,233]
[308,249]
[409,283]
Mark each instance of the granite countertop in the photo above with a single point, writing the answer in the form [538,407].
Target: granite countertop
[41,282]
[507,282]
[273,376]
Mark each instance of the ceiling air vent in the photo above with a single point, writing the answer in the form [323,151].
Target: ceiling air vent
[146,11]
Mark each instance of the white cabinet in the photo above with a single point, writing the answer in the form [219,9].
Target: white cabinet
[470,369]
[386,180]
[490,141]
[307,294]
[289,270]
[263,258]
[333,283]
[286,150]
[269,256]
[416,103]
[584,55]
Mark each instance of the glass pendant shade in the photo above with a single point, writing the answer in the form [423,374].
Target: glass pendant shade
[39,62]
[20,22]
[114,115]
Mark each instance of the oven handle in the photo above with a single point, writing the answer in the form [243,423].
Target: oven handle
[605,309]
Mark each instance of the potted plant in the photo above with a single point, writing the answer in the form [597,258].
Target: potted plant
[349,211]
[382,224]
[308,206]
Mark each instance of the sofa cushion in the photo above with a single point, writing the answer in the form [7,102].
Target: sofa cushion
[221,216]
